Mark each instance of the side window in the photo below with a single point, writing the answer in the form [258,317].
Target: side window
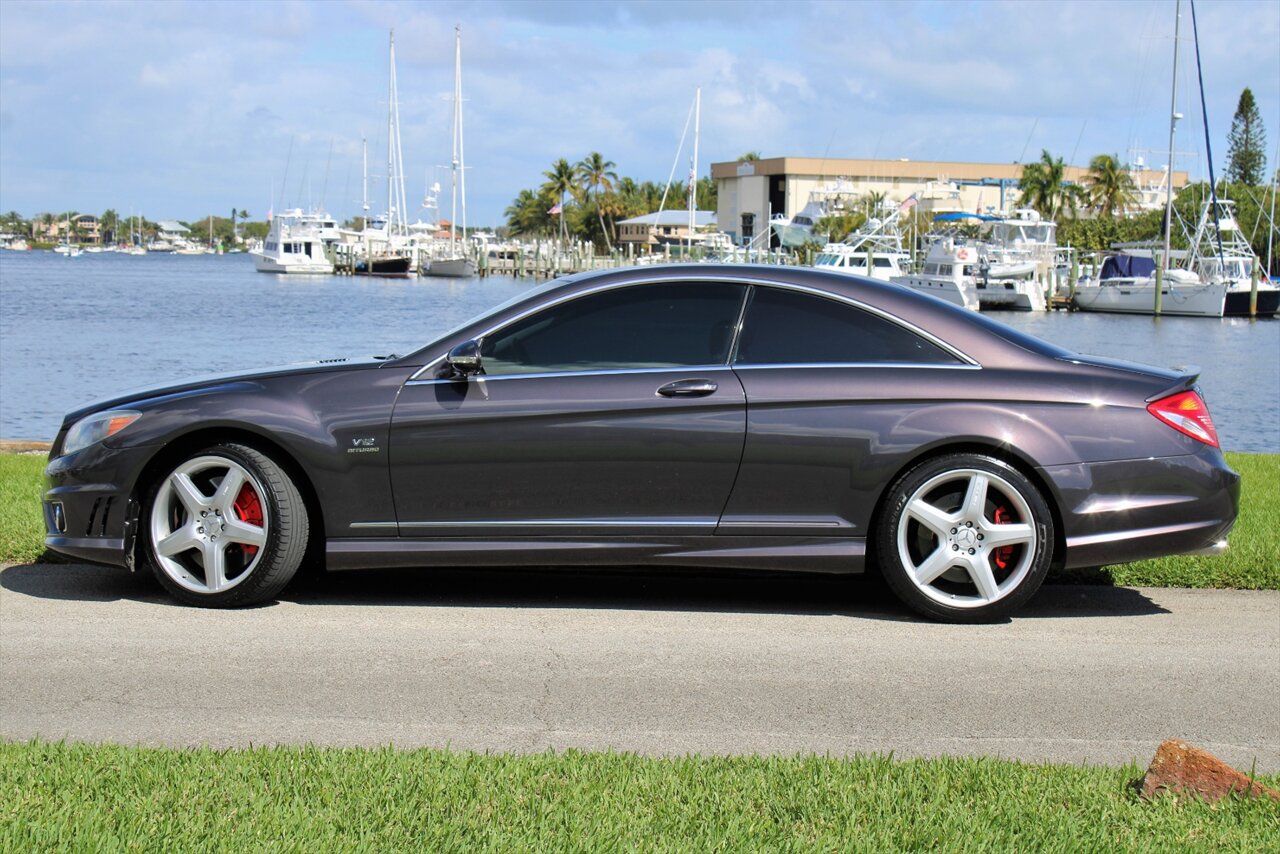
[646,326]
[790,328]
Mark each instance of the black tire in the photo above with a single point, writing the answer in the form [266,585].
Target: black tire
[909,550]
[260,571]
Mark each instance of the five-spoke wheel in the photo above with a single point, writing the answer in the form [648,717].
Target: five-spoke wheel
[226,526]
[965,537]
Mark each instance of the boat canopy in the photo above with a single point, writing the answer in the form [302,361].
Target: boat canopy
[1127,267]
[954,217]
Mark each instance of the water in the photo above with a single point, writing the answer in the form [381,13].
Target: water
[75,329]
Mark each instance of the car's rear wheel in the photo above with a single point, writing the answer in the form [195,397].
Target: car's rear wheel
[225,527]
[965,538]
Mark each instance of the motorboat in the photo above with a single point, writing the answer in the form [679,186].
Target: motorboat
[874,250]
[948,272]
[798,230]
[1126,284]
[297,243]
[1224,255]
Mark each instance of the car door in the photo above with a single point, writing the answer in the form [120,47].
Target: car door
[610,413]
[829,389]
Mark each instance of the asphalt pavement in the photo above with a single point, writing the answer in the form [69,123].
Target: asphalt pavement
[668,663]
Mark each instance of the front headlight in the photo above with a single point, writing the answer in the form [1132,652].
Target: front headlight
[96,427]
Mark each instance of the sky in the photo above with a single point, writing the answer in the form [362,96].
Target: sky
[180,109]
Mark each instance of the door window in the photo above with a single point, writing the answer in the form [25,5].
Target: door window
[790,328]
[646,326]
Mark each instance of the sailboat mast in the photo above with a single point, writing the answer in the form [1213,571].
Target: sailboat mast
[391,93]
[457,109]
[462,148]
[1173,125]
[364,194]
[693,167]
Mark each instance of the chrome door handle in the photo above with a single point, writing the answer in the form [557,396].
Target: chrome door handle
[688,388]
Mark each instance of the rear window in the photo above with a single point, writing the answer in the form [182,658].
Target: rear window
[785,327]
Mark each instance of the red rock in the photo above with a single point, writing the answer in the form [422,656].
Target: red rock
[1183,769]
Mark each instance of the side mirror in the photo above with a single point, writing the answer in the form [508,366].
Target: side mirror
[464,360]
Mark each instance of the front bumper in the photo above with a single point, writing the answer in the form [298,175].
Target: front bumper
[1129,510]
[90,510]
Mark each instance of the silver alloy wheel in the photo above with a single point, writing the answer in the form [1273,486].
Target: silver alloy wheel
[948,538]
[200,538]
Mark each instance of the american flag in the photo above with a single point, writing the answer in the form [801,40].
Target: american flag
[909,203]
[555,209]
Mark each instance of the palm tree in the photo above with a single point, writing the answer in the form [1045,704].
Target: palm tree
[561,180]
[597,175]
[1111,189]
[527,214]
[750,155]
[874,200]
[1041,184]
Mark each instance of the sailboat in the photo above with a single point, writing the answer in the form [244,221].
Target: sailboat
[1130,284]
[66,247]
[452,261]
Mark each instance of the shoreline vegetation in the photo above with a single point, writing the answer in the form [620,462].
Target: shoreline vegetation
[106,797]
[1251,563]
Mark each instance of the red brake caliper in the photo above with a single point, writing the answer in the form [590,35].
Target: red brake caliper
[1004,554]
[249,508]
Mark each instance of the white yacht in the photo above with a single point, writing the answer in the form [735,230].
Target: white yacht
[948,273]
[297,243]
[1126,284]
[798,230]
[874,250]
[1016,262]
[1224,255]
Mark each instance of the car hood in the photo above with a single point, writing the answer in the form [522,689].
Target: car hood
[209,381]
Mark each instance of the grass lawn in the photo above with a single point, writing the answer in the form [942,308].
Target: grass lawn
[96,798]
[1252,562]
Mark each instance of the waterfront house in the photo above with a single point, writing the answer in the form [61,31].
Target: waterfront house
[664,227]
[85,228]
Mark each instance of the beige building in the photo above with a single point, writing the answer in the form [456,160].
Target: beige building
[665,227]
[751,192]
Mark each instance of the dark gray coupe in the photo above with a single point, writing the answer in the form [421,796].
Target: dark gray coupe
[695,416]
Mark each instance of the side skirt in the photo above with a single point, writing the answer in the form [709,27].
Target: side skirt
[838,555]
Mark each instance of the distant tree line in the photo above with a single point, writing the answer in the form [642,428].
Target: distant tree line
[114,228]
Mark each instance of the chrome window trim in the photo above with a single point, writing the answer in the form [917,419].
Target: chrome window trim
[746,281]
[926,365]
[701,369]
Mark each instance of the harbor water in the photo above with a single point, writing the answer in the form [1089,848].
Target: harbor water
[76,329]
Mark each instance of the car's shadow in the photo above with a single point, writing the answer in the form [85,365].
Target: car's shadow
[641,589]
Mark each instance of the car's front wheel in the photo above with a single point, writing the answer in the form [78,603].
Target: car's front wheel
[965,538]
[225,527]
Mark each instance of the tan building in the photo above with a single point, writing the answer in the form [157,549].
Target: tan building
[665,227]
[753,191]
[85,227]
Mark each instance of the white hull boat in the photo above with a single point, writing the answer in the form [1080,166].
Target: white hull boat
[948,273]
[1010,295]
[451,268]
[297,244]
[1127,285]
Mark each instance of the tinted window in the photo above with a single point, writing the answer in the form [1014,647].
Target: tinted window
[786,327]
[648,326]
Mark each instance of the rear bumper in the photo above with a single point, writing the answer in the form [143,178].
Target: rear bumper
[1128,510]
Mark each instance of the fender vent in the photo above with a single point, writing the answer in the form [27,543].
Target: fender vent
[100,513]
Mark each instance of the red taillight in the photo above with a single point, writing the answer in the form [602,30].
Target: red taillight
[1187,413]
